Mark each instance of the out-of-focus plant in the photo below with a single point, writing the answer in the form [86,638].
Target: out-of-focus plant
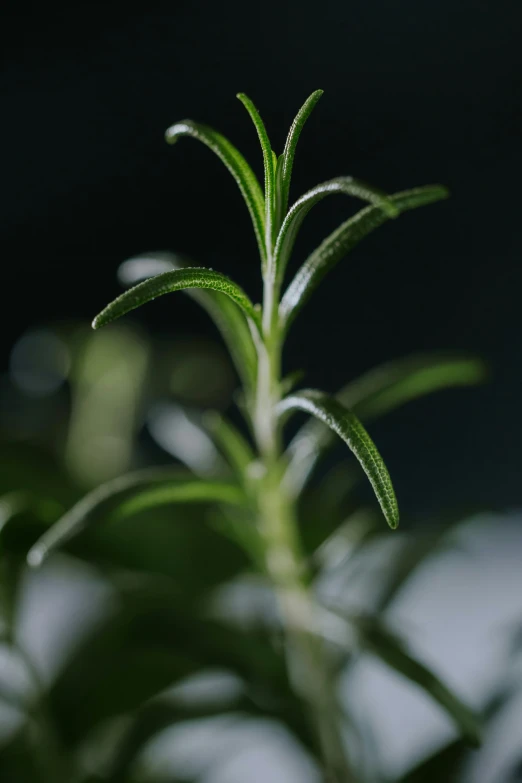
[175,541]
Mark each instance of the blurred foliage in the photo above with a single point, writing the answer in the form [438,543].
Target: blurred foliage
[155,622]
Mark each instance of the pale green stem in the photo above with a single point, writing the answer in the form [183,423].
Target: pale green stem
[306,659]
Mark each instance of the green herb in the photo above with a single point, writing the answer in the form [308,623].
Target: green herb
[267,479]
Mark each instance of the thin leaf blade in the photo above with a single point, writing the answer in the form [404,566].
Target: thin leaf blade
[348,186]
[128,495]
[268,165]
[225,313]
[291,144]
[231,443]
[235,163]
[392,650]
[379,391]
[344,423]
[176,280]
[344,239]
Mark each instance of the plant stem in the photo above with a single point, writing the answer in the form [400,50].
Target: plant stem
[306,660]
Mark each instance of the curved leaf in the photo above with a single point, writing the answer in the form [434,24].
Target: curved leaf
[268,166]
[345,424]
[378,391]
[227,316]
[291,144]
[235,163]
[393,651]
[176,280]
[344,239]
[297,213]
[231,443]
[128,495]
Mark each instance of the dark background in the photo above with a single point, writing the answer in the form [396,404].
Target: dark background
[414,93]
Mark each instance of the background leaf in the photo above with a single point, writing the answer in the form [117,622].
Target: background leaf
[127,495]
[392,650]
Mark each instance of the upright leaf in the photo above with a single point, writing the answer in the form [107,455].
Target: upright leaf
[297,213]
[225,313]
[176,280]
[268,166]
[379,391]
[291,144]
[280,207]
[235,163]
[128,495]
[345,424]
[393,651]
[344,239]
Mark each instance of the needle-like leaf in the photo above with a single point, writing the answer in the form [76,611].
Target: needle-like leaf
[346,424]
[393,651]
[297,213]
[268,165]
[176,280]
[342,240]
[377,392]
[235,163]
[231,443]
[128,495]
[291,144]
[227,316]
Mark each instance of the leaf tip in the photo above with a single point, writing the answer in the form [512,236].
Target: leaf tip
[36,555]
[172,133]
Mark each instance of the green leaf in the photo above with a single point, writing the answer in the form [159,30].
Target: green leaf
[393,651]
[297,213]
[235,163]
[344,239]
[176,280]
[227,316]
[268,166]
[345,424]
[291,144]
[280,208]
[395,383]
[379,391]
[231,443]
[128,495]
[181,433]
[445,764]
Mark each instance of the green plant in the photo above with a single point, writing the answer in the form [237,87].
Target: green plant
[261,497]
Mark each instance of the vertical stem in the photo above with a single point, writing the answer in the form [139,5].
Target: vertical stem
[306,660]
